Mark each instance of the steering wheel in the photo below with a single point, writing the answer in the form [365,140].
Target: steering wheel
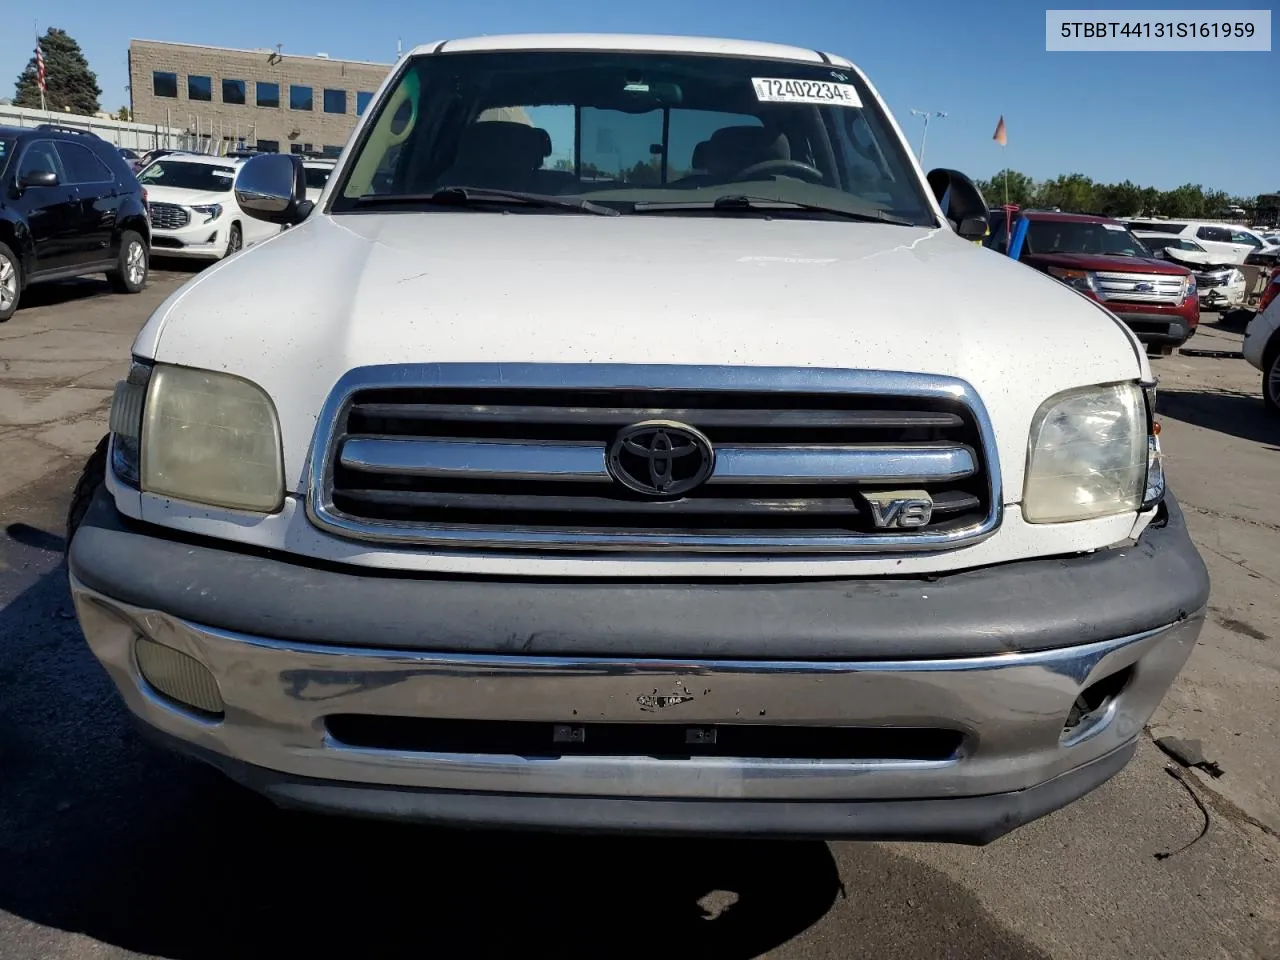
[782,168]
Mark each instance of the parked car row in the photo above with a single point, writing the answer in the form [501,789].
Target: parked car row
[1104,261]
[72,204]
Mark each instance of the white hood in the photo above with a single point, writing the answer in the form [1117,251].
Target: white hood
[184,197]
[304,307]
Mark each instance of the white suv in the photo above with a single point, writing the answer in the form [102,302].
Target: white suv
[193,209]
[1229,241]
[578,462]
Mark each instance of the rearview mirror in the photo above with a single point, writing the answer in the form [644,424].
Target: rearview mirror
[273,187]
[39,178]
[961,201]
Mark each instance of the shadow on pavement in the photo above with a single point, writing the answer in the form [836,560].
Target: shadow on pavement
[103,835]
[1231,413]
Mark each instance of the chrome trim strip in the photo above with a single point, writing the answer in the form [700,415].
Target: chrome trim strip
[841,464]
[499,460]
[476,459]
[648,377]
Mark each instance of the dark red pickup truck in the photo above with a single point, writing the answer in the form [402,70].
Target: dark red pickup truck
[1103,260]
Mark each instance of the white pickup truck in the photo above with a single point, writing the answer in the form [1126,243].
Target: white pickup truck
[632,437]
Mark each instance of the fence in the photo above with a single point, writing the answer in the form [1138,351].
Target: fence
[123,133]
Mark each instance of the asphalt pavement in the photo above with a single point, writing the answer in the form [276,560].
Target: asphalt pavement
[110,848]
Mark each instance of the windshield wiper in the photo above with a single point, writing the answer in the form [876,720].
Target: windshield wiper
[741,201]
[464,196]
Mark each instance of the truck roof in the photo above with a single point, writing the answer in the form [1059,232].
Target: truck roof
[632,42]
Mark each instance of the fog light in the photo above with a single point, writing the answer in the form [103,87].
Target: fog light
[1093,706]
[179,677]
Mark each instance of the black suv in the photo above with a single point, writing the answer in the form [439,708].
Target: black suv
[69,205]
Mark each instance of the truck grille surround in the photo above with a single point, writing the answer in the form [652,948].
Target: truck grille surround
[169,216]
[559,457]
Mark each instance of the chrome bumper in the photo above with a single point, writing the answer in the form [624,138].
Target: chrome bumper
[1010,709]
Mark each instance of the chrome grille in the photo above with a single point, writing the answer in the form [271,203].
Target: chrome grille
[1140,287]
[515,456]
[169,216]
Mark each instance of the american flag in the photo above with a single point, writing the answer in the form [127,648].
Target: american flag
[40,66]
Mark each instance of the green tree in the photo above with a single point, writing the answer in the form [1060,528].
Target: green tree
[1186,201]
[1072,193]
[124,113]
[1118,199]
[68,80]
[1022,188]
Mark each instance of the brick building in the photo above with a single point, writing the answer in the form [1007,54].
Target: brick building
[267,99]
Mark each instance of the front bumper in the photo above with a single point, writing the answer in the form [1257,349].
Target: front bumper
[286,728]
[206,241]
[1156,329]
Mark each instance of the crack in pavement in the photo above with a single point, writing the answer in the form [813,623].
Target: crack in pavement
[1222,515]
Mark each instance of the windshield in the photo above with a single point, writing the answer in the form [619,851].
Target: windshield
[188,176]
[1074,236]
[316,177]
[622,128]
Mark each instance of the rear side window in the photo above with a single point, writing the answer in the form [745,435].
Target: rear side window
[1214,234]
[82,166]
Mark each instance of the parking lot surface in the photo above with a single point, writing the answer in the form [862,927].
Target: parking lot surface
[110,848]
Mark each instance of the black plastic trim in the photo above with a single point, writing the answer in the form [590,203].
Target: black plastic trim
[1028,605]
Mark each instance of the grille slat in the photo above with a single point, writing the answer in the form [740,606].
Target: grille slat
[949,502]
[585,461]
[485,463]
[427,413]
[168,216]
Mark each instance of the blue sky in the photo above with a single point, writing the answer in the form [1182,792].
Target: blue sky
[1158,119]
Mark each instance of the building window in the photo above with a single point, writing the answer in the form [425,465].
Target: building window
[164,84]
[299,97]
[329,150]
[335,101]
[233,91]
[199,88]
[268,146]
[363,99]
[268,94]
[295,148]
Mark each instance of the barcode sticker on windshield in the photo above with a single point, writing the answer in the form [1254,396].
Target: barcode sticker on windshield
[1113,226]
[821,92]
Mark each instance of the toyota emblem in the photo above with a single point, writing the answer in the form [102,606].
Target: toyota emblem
[659,458]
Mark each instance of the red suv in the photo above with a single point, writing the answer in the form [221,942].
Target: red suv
[1104,261]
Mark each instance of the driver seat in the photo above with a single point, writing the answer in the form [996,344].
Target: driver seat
[731,149]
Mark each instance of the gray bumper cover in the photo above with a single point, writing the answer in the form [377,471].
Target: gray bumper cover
[1017,607]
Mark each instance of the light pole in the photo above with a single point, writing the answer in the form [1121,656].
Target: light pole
[924,136]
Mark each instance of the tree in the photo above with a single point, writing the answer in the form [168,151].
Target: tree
[1186,201]
[1118,199]
[1021,188]
[69,81]
[1073,192]
[124,113]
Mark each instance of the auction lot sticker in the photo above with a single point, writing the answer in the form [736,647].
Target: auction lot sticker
[824,93]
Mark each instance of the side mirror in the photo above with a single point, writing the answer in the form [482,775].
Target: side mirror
[961,201]
[38,178]
[272,187]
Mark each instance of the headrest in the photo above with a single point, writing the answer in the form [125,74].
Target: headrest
[503,143]
[699,161]
[731,149]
